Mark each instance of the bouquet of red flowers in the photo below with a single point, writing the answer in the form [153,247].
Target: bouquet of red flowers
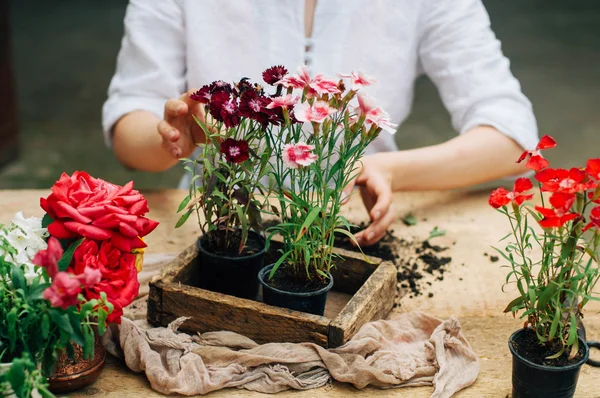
[101,228]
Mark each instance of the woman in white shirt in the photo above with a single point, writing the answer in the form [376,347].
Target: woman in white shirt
[172,47]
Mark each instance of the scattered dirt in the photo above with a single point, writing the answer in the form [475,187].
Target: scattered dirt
[528,346]
[414,259]
[494,258]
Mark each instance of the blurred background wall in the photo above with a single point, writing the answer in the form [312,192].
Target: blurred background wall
[64,51]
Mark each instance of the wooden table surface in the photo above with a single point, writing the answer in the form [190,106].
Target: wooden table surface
[470,290]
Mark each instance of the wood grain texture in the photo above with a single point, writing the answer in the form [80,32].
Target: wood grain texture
[210,311]
[374,300]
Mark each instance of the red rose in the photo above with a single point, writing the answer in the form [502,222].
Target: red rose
[83,206]
[119,274]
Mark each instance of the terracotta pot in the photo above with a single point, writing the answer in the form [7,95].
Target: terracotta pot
[74,374]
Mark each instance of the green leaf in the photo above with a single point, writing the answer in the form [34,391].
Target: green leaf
[45,326]
[518,302]
[409,220]
[16,374]
[67,256]
[572,330]
[244,225]
[546,295]
[308,221]
[353,239]
[88,346]
[435,232]
[184,218]
[18,278]
[11,322]
[554,324]
[532,296]
[61,320]
[278,263]
[201,124]
[46,220]
[184,203]
[102,314]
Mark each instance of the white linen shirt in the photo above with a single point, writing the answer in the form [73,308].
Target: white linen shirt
[170,46]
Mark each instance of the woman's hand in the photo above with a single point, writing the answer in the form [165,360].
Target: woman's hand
[376,191]
[179,131]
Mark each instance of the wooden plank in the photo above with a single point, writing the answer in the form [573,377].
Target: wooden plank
[351,273]
[178,269]
[374,300]
[211,311]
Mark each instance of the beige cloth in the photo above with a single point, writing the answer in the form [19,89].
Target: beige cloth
[414,350]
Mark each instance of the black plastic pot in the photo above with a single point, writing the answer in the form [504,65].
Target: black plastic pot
[311,302]
[235,276]
[531,380]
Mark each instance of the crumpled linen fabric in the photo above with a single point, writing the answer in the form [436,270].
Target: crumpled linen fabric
[415,349]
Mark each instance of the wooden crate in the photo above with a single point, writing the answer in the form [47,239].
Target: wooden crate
[362,292]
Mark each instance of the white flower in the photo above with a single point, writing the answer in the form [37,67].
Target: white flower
[27,237]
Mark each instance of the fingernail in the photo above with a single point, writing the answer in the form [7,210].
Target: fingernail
[371,235]
[179,109]
[171,134]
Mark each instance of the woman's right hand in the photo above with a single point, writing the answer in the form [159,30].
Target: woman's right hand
[179,131]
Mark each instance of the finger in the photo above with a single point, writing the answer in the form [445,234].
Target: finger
[175,108]
[168,132]
[374,232]
[383,202]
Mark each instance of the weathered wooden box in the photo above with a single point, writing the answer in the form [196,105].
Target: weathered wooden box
[362,292]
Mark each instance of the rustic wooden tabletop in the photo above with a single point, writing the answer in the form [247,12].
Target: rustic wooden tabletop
[470,289]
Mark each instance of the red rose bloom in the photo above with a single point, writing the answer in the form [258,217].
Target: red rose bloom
[119,275]
[235,151]
[559,215]
[274,74]
[83,206]
[501,197]
[535,160]
[561,180]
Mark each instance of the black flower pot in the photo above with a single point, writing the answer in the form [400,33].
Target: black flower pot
[235,276]
[531,380]
[312,302]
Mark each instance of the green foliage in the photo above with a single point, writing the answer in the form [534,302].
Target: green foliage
[33,331]
[310,196]
[222,193]
[554,288]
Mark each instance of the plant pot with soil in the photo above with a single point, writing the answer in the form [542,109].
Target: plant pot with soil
[226,178]
[316,152]
[554,286]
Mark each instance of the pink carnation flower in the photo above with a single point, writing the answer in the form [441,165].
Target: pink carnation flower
[64,290]
[374,114]
[298,155]
[322,85]
[316,112]
[358,79]
[284,102]
[300,80]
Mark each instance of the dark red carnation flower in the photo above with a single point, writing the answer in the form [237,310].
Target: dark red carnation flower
[220,85]
[252,105]
[243,86]
[501,197]
[559,215]
[230,113]
[235,151]
[535,160]
[561,180]
[216,104]
[274,74]
[593,168]
[203,95]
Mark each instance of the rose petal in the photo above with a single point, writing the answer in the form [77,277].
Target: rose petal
[88,231]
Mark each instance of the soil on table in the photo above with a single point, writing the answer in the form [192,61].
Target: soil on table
[414,259]
[282,281]
[528,346]
[217,247]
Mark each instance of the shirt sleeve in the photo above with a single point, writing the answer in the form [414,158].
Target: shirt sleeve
[462,56]
[151,64]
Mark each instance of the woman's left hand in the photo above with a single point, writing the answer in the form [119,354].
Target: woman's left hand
[374,184]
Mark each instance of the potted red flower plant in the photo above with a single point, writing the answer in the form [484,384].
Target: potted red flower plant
[325,132]
[554,271]
[226,178]
[101,227]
